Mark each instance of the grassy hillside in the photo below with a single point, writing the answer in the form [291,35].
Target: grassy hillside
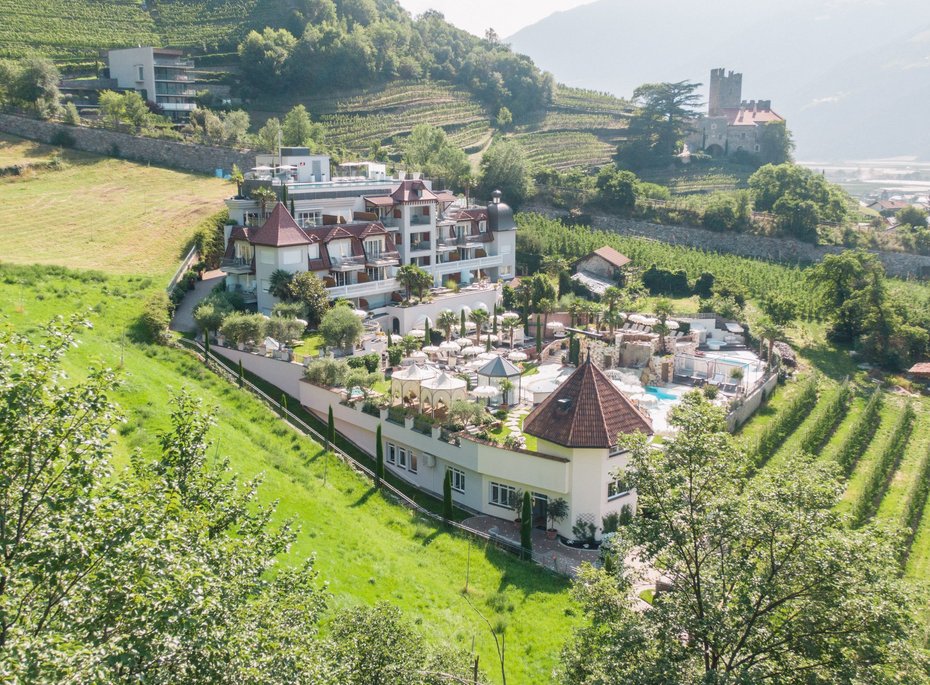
[366,548]
[98,213]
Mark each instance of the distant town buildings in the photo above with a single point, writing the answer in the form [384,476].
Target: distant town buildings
[731,123]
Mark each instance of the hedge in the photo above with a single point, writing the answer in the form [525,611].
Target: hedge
[884,466]
[786,422]
[861,434]
[833,413]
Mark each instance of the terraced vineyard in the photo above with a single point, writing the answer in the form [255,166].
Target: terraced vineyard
[881,443]
[565,149]
[570,99]
[700,177]
[75,30]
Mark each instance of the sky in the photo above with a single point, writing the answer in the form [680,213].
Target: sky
[505,16]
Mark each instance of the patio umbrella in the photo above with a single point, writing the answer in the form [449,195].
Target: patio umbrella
[487,356]
[470,326]
[484,391]
[472,350]
[360,313]
[418,356]
[510,315]
[555,325]
[672,325]
[463,342]
[450,346]
[517,356]
[489,336]
[417,333]
[431,349]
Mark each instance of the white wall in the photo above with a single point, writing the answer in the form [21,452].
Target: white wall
[284,375]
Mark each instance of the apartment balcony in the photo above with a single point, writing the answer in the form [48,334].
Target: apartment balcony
[383,259]
[468,264]
[420,246]
[446,246]
[175,78]
[173,63]
[420,220]
[388,285]
[178,106]
[348,264]
[237,265]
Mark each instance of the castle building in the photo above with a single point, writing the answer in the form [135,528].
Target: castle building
[731,123]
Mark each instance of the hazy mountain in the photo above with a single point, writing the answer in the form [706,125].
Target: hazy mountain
[849,75]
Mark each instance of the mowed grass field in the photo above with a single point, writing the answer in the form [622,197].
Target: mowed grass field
[366,548]
[99,213]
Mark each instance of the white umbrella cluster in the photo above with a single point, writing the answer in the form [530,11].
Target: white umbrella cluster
[517,356]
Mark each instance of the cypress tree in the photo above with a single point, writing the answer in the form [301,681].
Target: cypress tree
[284,194]
[462,329]
[487,345]
[427,334]
[293,210]
[206,349]
[526,524]
[379,458]
[283,405]
[447,496]
[241,374]
[539,340]
[330,430]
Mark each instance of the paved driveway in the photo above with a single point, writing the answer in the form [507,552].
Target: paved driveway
[183,320]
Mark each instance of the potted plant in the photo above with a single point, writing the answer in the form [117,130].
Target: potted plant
[556,511]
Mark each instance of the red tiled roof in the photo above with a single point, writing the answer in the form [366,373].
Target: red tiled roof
[586,411]
[610,255]
[922,369]
[280,230]
[380,201]
[413,191]
[741,116]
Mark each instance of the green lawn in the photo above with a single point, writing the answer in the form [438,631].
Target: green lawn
[310,346]
[366,548]
[100,213]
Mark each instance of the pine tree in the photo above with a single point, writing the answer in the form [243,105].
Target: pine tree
[526,524]
[330,430]
[447,496]
[379,458]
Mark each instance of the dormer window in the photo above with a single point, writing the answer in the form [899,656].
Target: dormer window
[482,226]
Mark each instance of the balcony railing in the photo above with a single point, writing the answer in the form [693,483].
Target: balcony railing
[418,246]
[462,264]
[236,264]
[383,259]
[348,264]
[387,285]
[419,220]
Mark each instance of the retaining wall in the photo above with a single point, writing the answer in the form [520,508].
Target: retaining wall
[900,264]
[282,374]
[741,415]
[201,158]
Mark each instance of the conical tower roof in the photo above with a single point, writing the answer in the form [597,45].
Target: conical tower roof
[280,230]
[586,411]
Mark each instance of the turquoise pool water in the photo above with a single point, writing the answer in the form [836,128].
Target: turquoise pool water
[660,393]
[738,362]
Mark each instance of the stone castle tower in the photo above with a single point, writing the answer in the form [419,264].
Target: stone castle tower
[726,91]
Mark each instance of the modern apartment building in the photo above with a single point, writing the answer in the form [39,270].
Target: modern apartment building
[160,75]
[356,231]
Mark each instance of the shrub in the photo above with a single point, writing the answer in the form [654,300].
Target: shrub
[71,115]
[665,281]
[284,330]
[395,354]
[883,467]
[610,523]
[861,434]
[370,362]
[288,310]
[829,419]
[786,422]
[328,372]
[155,318]
[209,239]
[710,391]
[584,531]
[243,328]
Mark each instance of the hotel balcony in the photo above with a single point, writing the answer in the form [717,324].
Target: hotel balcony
[383,259]
[388,285]
[420,246]
[348,264]
[419,220]
[468,264]
[237,265]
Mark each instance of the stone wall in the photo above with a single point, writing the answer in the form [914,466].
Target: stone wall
[201,158]
[784,250]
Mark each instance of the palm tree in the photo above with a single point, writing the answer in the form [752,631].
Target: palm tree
[613,298]
[509,325]
[446,321]
[767,330]
[235,176]
[264,196]
[506,386]
[663,310]
[279,282]
[545,307]
[478,317]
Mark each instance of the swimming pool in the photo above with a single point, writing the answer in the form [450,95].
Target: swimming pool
[660,393]
[736,362]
